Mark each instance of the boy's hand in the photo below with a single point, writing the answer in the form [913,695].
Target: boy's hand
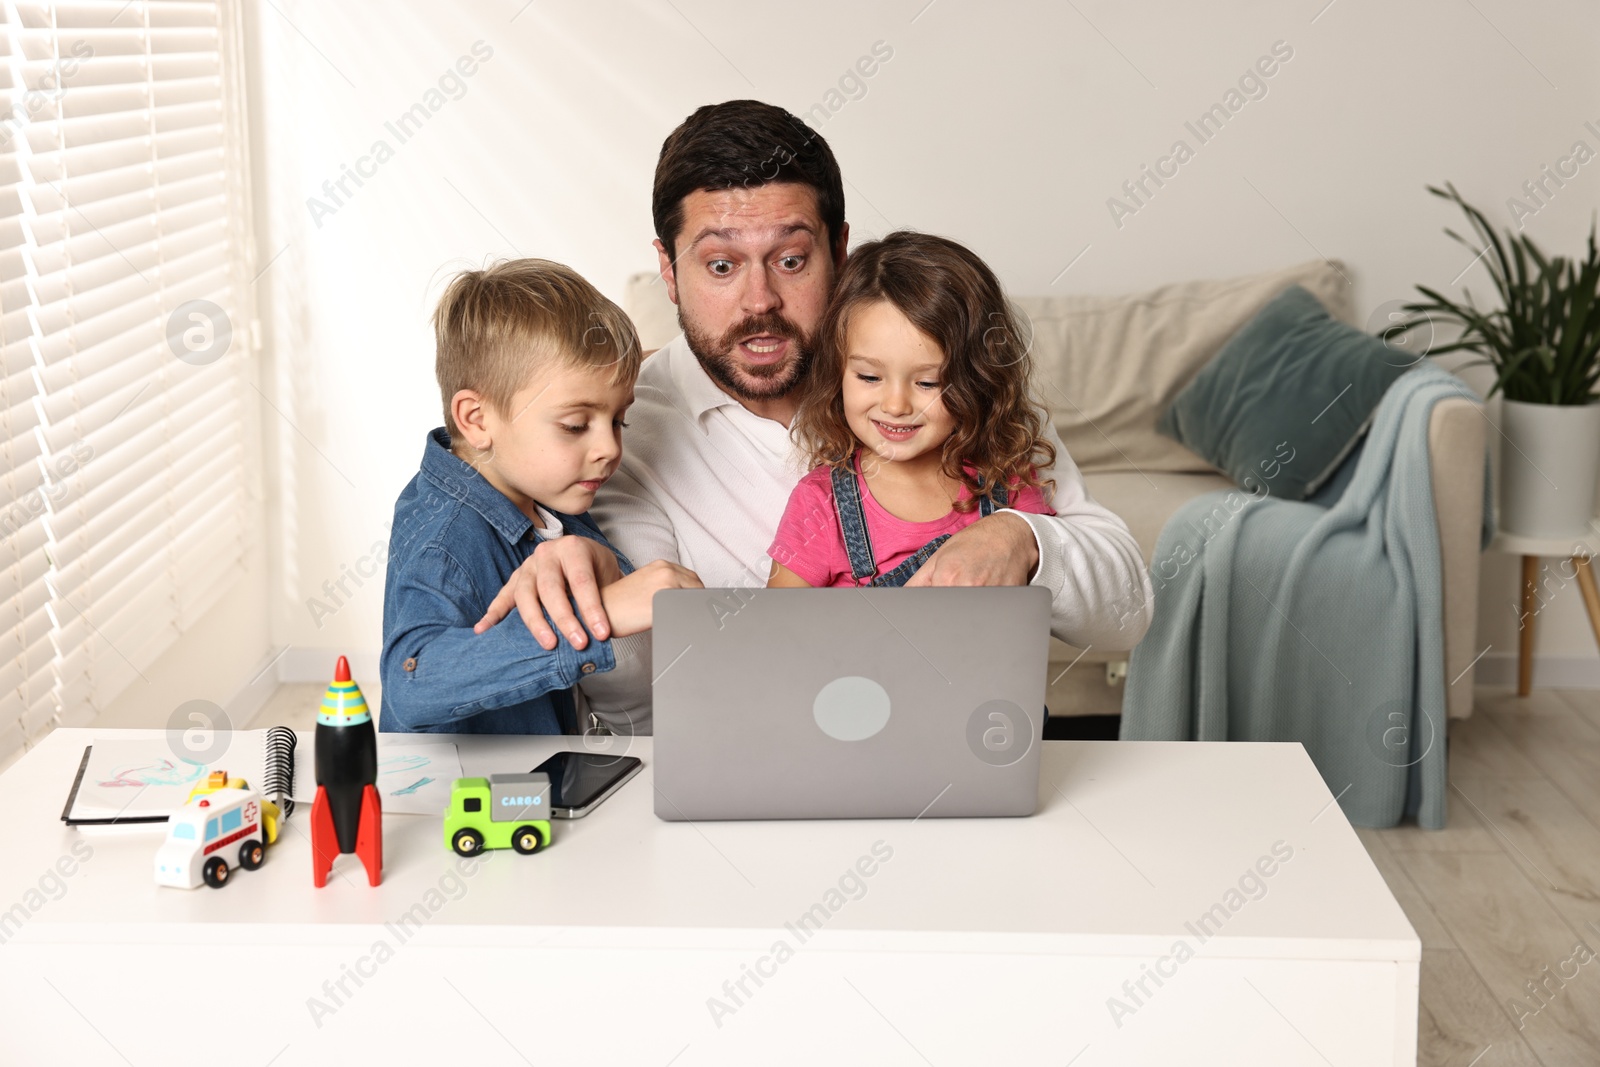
[571,565]
[628,600]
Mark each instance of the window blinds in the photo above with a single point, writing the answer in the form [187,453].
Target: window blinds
[123,293]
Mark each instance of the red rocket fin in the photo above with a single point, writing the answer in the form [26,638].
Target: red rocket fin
[324,839]
[369,835]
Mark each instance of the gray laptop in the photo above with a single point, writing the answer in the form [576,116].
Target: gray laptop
[848,703]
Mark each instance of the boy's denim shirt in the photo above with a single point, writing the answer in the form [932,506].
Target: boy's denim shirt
[456,541]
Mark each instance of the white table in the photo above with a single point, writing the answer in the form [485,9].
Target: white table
[976,941]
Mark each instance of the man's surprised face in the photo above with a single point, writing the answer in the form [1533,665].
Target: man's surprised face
[751,281]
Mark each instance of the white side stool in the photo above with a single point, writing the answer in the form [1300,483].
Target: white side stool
[1579,550]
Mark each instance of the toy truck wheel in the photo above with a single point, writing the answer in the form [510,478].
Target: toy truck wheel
[526,840]
[467,842]
[215,872]
[251,854]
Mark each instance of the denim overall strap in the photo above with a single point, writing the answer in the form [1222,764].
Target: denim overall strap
[902,574]
[913,563]
[858,543]
[853,524]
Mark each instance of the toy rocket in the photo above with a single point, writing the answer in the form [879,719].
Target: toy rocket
[346,815]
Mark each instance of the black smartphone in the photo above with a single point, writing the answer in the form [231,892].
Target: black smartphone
[579,781]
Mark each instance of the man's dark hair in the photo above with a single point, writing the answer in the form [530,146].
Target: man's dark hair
[743,144]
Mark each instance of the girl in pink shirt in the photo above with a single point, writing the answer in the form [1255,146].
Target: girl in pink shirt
[917,417]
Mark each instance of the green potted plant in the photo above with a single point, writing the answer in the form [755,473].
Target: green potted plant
[1543,343]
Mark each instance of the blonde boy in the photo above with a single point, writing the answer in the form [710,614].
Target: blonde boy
[536,370]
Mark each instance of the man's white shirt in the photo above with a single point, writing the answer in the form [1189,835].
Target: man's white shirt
[704,481]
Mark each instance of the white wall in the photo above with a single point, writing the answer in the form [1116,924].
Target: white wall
[1004,126]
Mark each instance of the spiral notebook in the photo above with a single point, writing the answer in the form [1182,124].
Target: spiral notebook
[125,785]
[128,784]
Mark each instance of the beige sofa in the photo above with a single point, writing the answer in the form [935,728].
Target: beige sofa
[1107,367]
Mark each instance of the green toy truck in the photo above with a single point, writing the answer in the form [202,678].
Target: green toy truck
[500,811]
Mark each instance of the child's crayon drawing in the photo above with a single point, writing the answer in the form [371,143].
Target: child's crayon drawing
[400,762]
[154,772]
[416,778]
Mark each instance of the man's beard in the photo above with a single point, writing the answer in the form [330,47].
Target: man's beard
[750,381]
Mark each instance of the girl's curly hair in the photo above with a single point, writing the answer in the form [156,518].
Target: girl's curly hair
[948,293]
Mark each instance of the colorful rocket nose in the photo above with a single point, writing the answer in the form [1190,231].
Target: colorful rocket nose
[342,703]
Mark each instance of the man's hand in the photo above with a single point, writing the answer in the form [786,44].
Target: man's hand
[560,571]
[628,600]
[998,550]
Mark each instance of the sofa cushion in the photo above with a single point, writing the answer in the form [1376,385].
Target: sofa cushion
[1286,399]
[1146,501]
[654,315]
[1077,678]
[1108,366]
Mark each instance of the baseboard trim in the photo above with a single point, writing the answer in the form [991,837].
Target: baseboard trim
[252,696]
[1499,669]
[316,664]
[287,666]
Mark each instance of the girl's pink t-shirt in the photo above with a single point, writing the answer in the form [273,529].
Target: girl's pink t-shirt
[810,543]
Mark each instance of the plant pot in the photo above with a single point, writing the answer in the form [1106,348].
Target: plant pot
[1549,462]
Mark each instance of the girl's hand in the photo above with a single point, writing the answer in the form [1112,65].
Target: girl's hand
[628,601]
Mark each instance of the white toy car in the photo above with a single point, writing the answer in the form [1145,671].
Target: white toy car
[208,834]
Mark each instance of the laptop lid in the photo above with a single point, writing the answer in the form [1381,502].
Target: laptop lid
[848,703]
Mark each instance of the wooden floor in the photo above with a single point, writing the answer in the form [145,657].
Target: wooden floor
[1506,900]
[1502,899]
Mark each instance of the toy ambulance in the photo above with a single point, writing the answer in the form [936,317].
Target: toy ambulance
[219,825]
[219,780]
[500,811]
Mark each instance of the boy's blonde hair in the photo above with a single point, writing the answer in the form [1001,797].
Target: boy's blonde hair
[494,327]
